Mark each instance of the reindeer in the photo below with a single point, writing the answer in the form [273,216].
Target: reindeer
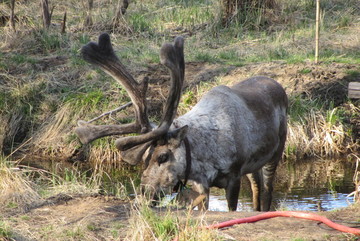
[230,132]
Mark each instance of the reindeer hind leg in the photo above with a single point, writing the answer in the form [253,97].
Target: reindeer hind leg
[268,174]
[254,179]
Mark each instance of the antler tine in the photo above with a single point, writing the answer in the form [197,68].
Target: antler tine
[172,56]
[103,55]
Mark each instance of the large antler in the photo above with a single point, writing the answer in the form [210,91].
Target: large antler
[172,56]
[102,55]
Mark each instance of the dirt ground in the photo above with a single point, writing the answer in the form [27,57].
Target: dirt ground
[107,218]
[322,81]
[329,81]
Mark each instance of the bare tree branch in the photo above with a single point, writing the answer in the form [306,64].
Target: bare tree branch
[63,25]
[110,112]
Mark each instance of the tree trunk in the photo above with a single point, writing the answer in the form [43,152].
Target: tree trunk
[88,20]
[46,13]
[120,11]
[237,8]
[12,15]
[63,24]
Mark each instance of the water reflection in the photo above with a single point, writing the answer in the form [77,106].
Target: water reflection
[310,185]
[322,202]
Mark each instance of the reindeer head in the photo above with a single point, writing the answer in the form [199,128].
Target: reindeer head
[160,144]
[166,163]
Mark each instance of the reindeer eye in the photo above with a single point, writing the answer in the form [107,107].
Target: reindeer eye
[163,157]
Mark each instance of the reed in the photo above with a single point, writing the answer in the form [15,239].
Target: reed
[318,133]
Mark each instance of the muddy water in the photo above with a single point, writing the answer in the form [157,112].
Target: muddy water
[309,185]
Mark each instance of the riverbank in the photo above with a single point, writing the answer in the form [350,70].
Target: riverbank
[94,217]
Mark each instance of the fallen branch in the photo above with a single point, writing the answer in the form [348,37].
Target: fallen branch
[110,112]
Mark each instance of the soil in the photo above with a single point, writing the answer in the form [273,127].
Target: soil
[326,82]
[107,218]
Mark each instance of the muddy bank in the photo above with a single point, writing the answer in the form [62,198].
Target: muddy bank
[107,218]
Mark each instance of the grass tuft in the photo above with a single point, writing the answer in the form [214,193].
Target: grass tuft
[16,190]
[150,224]
[5,231]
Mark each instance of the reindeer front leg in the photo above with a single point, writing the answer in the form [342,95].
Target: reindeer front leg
[232,192]
[202,201]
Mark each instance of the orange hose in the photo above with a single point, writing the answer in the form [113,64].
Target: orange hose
[294,214]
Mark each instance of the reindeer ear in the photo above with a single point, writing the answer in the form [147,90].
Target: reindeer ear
[177,136]
[135,154]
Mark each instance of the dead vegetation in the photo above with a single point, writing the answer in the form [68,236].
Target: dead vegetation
[16,190]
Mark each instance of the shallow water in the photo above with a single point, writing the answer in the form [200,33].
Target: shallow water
[323,202]
[310,185]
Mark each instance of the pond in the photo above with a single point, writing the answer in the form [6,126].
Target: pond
[309,185]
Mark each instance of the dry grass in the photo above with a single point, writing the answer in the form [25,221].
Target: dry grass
[16,190]
[317,137]
[50,137]
[356,179]
[166,224]
[19,192]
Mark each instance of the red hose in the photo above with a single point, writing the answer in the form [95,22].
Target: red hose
[310,216]
[302,215]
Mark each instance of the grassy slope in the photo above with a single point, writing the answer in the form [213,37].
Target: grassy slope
[47,87]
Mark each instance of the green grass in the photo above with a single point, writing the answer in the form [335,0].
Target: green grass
[203,56]
[305,71]
[49,42]
[76,233]
[20,59]
[83,39]
[230,57]
[3,100]
[147,224]
[92,227]
[139,23]
[185,14]
[25,217]
[12,205]
[334,116]
[91,99]
[353,74]
[164,227]
[5,231]
[189,98]
[299,107]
